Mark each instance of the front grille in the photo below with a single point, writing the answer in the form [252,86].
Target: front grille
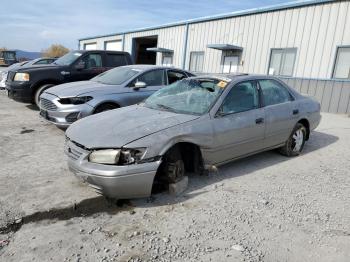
[74,150]
[74,154]
[47,104]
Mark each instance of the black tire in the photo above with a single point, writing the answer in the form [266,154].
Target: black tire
[38,92]
[105,107]
[295,143]
[174,167]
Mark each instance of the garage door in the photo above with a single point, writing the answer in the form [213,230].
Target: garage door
[113,45]
[92,46]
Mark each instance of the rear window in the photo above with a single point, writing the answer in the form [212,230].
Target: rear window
[114,60]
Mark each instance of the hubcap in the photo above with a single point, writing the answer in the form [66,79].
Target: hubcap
[298,139]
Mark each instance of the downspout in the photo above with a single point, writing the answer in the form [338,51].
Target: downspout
[185,47]
[123,44]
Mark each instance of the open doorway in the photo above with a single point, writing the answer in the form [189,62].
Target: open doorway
[140,53]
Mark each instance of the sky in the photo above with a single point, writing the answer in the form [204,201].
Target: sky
[34,25]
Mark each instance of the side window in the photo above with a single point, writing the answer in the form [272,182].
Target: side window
[114,60]
[153,78]
[273,92]
[174,76]
[92,61]
[242,97]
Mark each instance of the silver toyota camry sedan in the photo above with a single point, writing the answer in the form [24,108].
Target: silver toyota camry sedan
[122,86]
[192,125]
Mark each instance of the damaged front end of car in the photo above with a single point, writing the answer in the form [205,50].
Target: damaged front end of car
[116,173]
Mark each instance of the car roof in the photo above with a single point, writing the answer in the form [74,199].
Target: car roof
[148,67]
[236,76]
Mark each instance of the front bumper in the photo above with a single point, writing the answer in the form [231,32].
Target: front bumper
[130,181]
[20,91]
[62,115]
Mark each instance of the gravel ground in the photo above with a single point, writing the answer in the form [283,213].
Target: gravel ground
[263,208]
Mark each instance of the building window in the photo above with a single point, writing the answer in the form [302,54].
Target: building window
[342,63]
[90,46]
[114,45]
[282,61]
[167,60]
[196,61]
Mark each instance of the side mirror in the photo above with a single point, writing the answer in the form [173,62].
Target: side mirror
[140,84]
[80,65]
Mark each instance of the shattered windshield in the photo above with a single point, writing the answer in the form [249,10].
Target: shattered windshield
[188,96]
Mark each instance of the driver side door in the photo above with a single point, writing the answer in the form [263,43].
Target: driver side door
[239,126]
[154,80]
[87,67]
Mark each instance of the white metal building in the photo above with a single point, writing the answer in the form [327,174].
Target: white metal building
[307,43]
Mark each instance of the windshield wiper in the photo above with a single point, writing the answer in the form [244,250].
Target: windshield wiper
[165,107]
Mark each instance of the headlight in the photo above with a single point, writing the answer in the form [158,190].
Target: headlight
[22,77]
[131,156]
[107,156]
[78,100]
[117,156]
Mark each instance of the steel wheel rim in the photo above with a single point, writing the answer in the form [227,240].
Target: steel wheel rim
[298,139]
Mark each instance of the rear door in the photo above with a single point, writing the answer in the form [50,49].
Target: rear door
[115,60]
[280,111]
[239,124]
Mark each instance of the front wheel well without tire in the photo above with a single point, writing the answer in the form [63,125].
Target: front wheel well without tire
[105,107]
[183,155]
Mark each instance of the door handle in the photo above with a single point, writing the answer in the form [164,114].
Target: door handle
[259,120]
[295,111]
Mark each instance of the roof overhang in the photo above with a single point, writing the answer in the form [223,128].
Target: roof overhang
[160,50]
[225,47]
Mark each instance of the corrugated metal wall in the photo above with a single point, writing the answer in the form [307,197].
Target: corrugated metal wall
[334,96]
[315,30]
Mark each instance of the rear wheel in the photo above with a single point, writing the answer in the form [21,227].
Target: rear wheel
[295,142]
[105,107]
[38,92]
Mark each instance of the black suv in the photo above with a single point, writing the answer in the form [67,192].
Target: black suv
[25,84]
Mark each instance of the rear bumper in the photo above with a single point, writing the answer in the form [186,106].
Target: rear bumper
[62,115]
[131,181]
[20,91]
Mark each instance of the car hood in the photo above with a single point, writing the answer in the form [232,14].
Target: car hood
[30,68]
[116,128]
[84,87]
